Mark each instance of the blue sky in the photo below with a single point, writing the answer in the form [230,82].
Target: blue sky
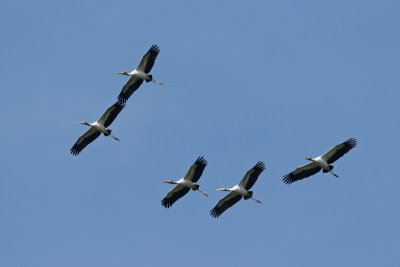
[245,81]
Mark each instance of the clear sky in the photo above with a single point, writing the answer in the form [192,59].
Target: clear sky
[245,81]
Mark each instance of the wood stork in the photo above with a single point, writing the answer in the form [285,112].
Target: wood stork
[139,74]
[238,191]
[322,162]
[97,127]
[186,183]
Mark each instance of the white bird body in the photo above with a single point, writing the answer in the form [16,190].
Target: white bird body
[97,127]
[242,189]
[237,189]
[140,74]
[186,183]
[322,162]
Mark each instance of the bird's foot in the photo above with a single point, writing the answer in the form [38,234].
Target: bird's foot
[334,174]
[204,193]
[256,200]
[157,82]
[114,137]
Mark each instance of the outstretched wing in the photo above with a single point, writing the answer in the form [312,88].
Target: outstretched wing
[110,114]
[338,151]
[148,59]
[176,193]
[225,203]
[252,175]
[301,172]
[129,88]
[84,140]
[196,170]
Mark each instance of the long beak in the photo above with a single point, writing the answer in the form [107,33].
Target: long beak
[123,73]
[81,122]
[222,189]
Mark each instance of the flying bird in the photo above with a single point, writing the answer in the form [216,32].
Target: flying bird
[139,74]
[238,191]
[97,127]
[322,162]
[186,183]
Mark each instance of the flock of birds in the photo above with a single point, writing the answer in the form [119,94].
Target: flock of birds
[183,186]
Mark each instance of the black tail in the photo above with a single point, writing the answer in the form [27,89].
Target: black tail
[108,133]
[249,196]
[149,78]
[331,168]
[196,186]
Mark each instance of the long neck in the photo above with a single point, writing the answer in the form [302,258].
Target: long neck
[225,189]
[171,182]
[85,123]
[125,73]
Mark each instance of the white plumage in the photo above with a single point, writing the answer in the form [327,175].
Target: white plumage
[322,162]
[139,74]
[97,127]
[238,191]
[186,183]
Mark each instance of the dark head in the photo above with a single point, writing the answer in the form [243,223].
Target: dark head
[309,158]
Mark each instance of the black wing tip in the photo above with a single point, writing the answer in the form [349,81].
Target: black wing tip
[74,151]
[155,49]
[260,165]
[201,160]
[166,203]
[214,213]
[122,100]
[352,142]
[287,180]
